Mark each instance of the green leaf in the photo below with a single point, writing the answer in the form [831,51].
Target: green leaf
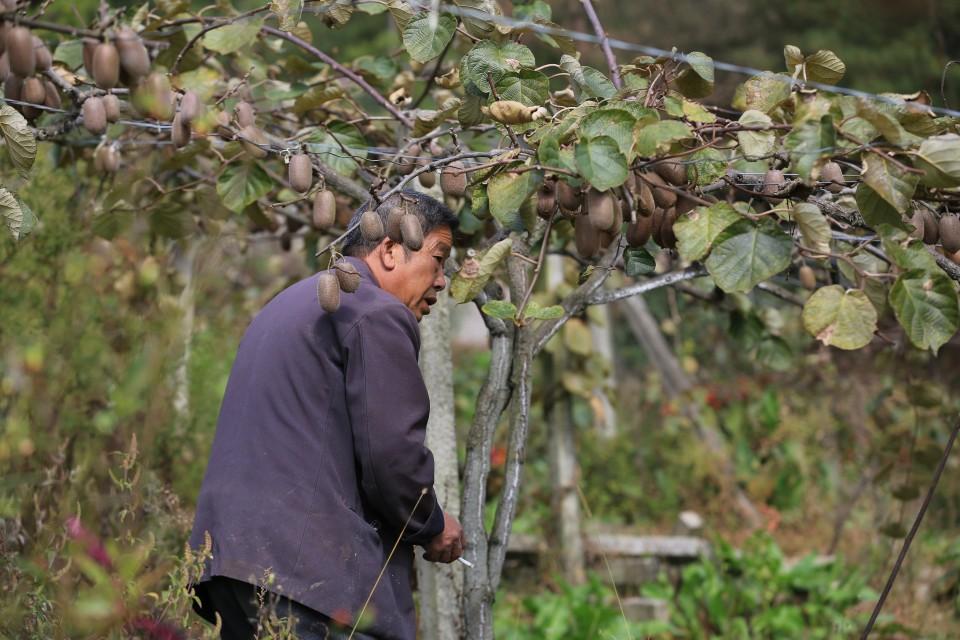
[70,53]
[907,253]
[530,87]
[706,166]
[875,210]
[756,144]
[234,36]
[793,57]
[466,289]
[242,184]
[883,117]
[939,157]
[614,123]
[316,97]
[500,309]
[487,57]
[427,34]
[170,220]
[535,311]
[926,306]
[29,220]
[696,112]
[337,145]
[808,142]
[18,135]
[764,92]
[637,261]
[658,136]
[469,114]
[696,78]
[600,162]
[427,120]
[12,213]
[893,530]
[548,153]
[697,230]
[587,82]
[288,13]
[824,66]
[813,226]
[838,318]
[891,183]
[536,10]
[746,254]
[507,192]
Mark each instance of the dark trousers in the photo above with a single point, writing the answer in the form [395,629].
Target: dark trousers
[241,612]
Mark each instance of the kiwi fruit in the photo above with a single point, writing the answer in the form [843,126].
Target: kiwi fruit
[4,66]
[134,57]
[954,257]
[807,277]
[668,239]
[244,113]
[94,115]
[672,171]
[656,226]
[51,97]
[638,233]
[832,174]
[106,65]
[190,107]
[394,217]
[408,160]
[300,172]
[33,92]
[661,195]
[427,179]
[347,276]
[12,88]
[453,184]
[106,158]
[371,226]
[950,233]
[89,46]
[602,209]
[180,131]
[568,197]
[23,57]
[43,55]
[328,291]
[546,200]
[773,182]
[223,125]
[411,231]
[254,141]
[585,237]
[931,229]
[324,210]
[645,202]
[154,98]
[111,106]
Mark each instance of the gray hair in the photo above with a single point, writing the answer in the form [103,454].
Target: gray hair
[431,213]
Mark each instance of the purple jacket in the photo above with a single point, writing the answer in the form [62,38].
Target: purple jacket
[319,457]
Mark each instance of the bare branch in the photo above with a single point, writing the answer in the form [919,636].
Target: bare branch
[604,43]
[665,280]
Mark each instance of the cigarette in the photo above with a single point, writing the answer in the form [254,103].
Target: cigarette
[465,561]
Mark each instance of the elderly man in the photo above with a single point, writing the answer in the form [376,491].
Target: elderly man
[318,466]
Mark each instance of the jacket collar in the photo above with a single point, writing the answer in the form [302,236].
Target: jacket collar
[364,269]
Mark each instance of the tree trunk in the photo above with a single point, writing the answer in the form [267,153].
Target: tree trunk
[186,302]
[440,585]
[603,344]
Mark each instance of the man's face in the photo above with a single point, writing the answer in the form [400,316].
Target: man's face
[419,276]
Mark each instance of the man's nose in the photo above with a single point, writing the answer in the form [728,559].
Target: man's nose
[440,282]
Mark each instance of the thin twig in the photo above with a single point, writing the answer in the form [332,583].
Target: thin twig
[604,43]
[536,270]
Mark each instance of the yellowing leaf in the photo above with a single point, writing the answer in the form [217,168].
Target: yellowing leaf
[838,318]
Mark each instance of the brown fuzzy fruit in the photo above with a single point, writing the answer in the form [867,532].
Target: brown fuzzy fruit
[190,107]
[602,209]
[656,226]
[412,232]
[300,172]
[638,233]
[154,98]
[106,65]
[427,179]
[954,257]
[224,129]
[328,291]
[23,57]
[832,174]
[34,93]
[661,195]
[672,171]
[111,106]
[348,276]
[585,237]
[950,233]
[324,210]
[371,226]
[94,116]
[180,131]
[43,55]
[254,141]
[668,240]
[89,46]
[931,228]
[4,66]
[773,182]
[134,57]
[645,201]
[807,277]
[12,87]
[51,97]
[394,217]
[453,184]
[568,197]
[408,160]
[245,114]
[106,158]
[546,200]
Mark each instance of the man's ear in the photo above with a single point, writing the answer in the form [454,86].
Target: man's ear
[388,252]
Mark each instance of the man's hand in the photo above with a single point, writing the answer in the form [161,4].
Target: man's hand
[448,545]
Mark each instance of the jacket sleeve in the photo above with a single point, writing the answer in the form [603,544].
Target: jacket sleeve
[388,406]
